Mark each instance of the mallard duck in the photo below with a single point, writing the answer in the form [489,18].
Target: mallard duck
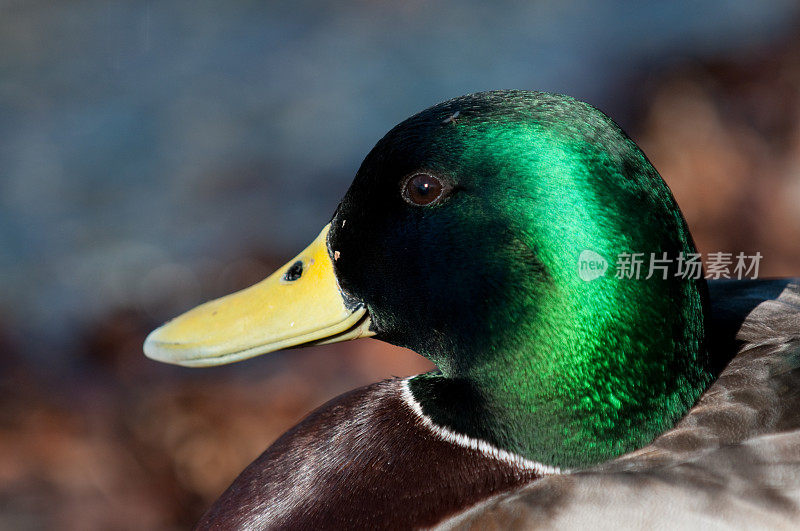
[561,398]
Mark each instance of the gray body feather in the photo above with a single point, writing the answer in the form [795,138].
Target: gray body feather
[732,462]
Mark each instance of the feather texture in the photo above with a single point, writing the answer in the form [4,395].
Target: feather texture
[732,461]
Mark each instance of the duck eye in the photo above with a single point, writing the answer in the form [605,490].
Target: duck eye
[422,189]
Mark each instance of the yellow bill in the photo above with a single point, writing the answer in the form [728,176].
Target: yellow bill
[301,303]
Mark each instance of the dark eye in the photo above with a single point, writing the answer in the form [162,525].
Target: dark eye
[422,189]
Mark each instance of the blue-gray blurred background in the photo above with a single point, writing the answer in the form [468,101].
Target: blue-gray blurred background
[157,154]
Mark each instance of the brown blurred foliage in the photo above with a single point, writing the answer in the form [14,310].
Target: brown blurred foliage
[133,445]
[725,135]
[129,444]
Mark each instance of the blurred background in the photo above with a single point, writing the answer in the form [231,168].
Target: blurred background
[154,155]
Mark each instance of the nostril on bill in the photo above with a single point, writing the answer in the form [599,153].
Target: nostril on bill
[294,272]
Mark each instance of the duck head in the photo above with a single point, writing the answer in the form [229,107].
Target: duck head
[484,233]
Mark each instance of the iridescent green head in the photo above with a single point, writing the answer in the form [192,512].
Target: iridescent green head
[485,279]
[463,237]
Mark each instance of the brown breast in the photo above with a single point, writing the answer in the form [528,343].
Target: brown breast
[363,460]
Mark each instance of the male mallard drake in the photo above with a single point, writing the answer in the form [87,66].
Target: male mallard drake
[556,398]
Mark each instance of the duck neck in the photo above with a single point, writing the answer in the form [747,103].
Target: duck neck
[579,380]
